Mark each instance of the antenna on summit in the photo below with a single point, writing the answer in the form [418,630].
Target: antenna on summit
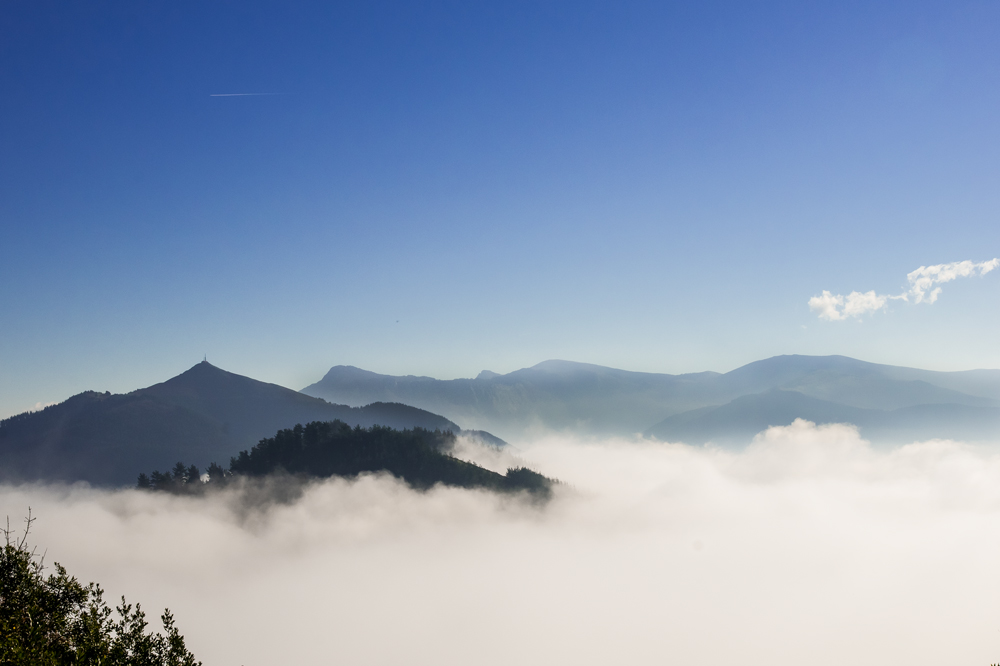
[205,360]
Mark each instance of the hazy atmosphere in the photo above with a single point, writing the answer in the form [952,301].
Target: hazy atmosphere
[490,333]
[806,548]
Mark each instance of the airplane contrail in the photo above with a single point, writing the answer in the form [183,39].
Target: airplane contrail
[242,94]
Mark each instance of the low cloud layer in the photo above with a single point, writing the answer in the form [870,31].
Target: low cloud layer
[922,289]
[808,547]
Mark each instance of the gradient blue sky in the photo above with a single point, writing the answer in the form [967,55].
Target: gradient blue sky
[442,188]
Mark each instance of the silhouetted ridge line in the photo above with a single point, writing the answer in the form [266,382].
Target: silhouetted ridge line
[203,414]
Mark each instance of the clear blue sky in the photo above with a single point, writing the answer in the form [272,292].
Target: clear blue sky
[442,188]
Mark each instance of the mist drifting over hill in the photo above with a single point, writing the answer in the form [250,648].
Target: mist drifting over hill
[809,546]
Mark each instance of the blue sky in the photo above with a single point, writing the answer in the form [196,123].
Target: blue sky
[442,188]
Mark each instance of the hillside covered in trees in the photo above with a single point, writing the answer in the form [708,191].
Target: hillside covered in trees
[324,449]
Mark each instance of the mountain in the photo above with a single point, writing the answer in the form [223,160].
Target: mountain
[558,395]
[867,385]
[249,409]
[579,397]
[739,420]
[203,415]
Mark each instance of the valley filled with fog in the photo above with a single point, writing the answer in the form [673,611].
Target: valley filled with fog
[808,546]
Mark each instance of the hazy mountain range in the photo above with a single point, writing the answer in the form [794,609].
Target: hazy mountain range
[888,403]
[203,415]
[208,415]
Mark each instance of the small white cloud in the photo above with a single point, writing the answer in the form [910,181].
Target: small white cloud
[922,290]
[855,304]
[924,278]
[858,304]
[828,306]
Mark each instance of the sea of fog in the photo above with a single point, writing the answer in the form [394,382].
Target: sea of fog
[808,547]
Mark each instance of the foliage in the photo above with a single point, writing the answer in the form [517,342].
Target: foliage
[56,620]
[323,449]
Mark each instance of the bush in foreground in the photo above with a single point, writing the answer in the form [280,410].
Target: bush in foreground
[56,620]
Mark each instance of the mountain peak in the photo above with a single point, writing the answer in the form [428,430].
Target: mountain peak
[202,414]
[559,366]
[200,372]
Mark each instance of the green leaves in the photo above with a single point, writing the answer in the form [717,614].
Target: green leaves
[56,621]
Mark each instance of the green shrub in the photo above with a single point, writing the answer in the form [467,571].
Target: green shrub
[55,620]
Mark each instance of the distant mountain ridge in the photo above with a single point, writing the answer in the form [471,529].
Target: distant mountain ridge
[203,415]
[581,397]
[740,419]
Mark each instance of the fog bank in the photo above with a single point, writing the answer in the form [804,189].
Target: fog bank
[807,547]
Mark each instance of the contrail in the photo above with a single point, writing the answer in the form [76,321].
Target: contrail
[242,94]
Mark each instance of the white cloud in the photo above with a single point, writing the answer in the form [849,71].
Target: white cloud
[855,304]
[810,546]
[922,290]
[828,306]
[925,277]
